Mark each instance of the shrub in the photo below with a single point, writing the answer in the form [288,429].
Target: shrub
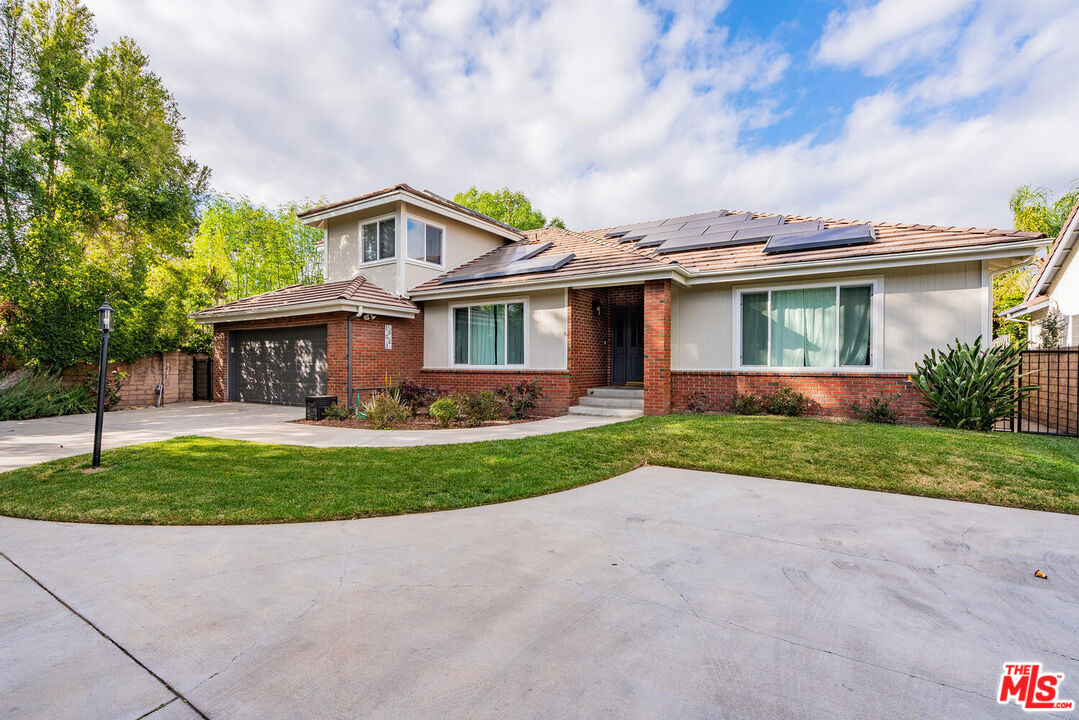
[478,408]
[413,395]
[444,410]
[385,410]
[877,410]
[969,388]
[785,402]
[35,396]
[336,412]
[748,404]
[698,403]
[114,382]
[521,397]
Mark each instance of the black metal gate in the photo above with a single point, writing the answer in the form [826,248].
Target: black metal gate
[1052,409]
[201,375]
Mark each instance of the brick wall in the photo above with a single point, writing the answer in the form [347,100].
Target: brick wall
[831,393]
[171,370]
[1054,406]
[657,347]
[557,396]
[589,350]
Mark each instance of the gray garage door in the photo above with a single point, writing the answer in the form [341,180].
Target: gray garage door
[279,366]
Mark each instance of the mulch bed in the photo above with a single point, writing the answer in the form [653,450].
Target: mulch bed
[421,422]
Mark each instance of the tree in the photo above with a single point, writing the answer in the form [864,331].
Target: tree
[508,206]
[1053,327]
[1033,210]
[97,193]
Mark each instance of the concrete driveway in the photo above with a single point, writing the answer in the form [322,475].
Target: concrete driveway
[25,442]
[657,594]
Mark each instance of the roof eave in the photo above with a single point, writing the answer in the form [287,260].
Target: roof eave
[603,279]
[870,262]
[1023,309]
[1068,237]
[293,310]
[312,219]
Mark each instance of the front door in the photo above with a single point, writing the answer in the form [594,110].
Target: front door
[627,344]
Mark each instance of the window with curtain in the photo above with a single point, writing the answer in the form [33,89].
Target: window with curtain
[424,242]
[818,327]
[489,334]
[378,239]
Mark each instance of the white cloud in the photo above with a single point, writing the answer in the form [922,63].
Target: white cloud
[588,107]
[879,37]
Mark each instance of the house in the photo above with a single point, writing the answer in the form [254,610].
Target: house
[1056,285]
[669,312]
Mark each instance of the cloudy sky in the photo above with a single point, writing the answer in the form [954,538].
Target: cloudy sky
[610,111]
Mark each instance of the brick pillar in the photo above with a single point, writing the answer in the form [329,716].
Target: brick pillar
[657,347]
[220,367]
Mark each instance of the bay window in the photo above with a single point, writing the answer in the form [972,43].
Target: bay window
[378,240]
[813,327]
[489,334]
[424,242]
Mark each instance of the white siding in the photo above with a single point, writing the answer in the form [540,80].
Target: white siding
[925,307]
[547,327]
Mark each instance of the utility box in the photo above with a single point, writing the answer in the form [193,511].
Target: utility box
[317,404]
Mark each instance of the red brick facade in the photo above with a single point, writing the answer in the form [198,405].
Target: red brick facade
[831,393]
[556,399]
[589,340]
[657,347]
[372,364]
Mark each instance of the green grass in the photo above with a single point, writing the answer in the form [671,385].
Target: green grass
[194,480]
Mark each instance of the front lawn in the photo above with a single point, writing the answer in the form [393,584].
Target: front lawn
[196,480]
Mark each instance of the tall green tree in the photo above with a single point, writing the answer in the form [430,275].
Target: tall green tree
[97,191]
[509,206]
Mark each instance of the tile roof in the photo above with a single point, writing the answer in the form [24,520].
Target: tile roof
[358,290]
[596,254]
[425,194]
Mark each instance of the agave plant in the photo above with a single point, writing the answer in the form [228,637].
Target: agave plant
[970,388]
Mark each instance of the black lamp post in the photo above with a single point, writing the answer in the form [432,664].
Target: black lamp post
[104,324]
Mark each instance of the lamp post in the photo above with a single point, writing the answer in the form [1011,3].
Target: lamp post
[104,324]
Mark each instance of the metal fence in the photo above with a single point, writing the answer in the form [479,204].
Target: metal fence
[201,376]
[1052,409]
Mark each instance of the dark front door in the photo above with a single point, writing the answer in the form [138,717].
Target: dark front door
[627,344]
[280,366]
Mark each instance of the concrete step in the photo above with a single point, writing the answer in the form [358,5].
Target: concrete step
[611,402]
[617,392]
[604,411]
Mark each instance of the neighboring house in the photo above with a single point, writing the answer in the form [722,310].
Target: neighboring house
[693,308]
[1056,285]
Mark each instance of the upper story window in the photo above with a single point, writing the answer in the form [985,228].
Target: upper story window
[424,242]
[378,239]
[813,327]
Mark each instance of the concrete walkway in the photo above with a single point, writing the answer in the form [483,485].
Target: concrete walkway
[25,442]
[657,594]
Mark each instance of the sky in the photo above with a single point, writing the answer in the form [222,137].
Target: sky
[606,112]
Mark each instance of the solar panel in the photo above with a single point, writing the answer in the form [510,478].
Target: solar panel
[658,238]
[623,229]
[762,233]
[832,237]
[634,235]
[508,254]
[682,219]
[700,242]
[546,263]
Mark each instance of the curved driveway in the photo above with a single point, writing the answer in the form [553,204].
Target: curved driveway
[657,594]
[25,442]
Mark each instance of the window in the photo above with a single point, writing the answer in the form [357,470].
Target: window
[489,334]
[378,239]
[817,327]
[424,242]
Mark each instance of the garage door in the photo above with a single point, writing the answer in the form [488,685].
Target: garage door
[279,366]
